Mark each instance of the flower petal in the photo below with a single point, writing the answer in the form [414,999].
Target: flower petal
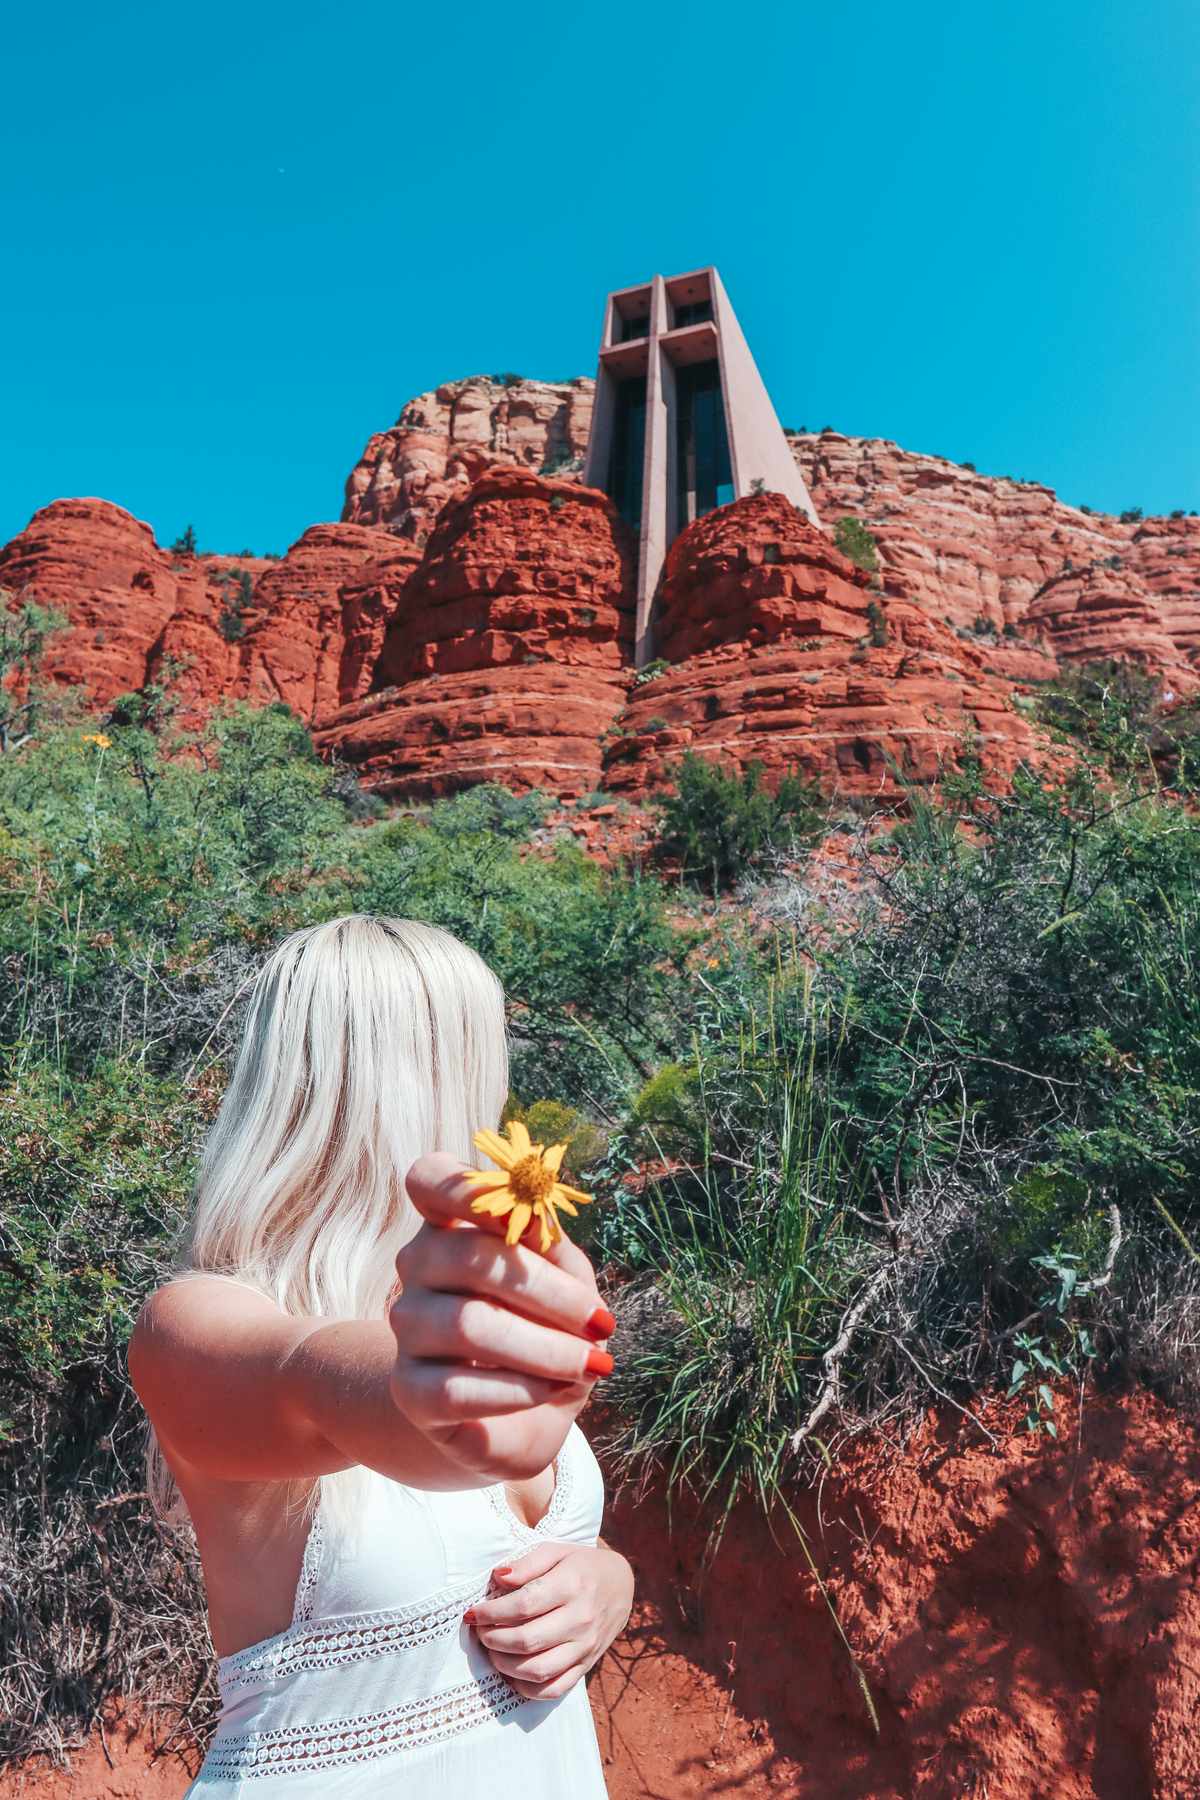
[483,1179]
[496,1205]
[493,1145]
[518,1137]
[573,1194]
[558,1197]
[518,1221]
[552,1158]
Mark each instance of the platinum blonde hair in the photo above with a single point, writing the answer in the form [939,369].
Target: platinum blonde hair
[368,1042]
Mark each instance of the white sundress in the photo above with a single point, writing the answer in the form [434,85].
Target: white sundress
[378,1687]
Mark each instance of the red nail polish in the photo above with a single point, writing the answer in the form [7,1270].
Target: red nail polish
[602,1324]
[469,1616]
[504,1569]
[599,1362]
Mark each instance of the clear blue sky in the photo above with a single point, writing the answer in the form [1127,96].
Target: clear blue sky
[237,238]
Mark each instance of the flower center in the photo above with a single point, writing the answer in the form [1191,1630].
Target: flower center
[530,1181]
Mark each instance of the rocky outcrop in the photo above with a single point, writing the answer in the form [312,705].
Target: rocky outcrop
[129,604]
[978,550]
[294,643]
[508,649]
[420,633]
[443,441]
[790,659]
[370,598]
[228,627]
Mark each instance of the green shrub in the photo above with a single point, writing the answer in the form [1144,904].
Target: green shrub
[1117,713]
[856,543]
[93,1179]
[554,1122]
[25,697]
[718,823]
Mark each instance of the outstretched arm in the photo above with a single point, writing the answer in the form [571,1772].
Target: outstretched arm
[474,1378]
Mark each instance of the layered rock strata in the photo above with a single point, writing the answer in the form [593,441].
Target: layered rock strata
[227,627]
[469,618]
[507,656]
[781,653]
[980,551]
[444,440]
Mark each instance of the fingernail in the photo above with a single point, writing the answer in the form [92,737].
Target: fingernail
[602,1324]
[504,1569]
[599,1362]
[469,1616]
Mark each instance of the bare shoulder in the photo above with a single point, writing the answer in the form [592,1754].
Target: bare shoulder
[208,1358]
[192,1318]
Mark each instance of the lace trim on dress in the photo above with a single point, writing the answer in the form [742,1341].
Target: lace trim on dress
[310,1570]
[559,1500]
[295,1749]
[329,1643]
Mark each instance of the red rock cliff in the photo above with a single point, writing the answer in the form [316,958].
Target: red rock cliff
[444,440]
[508,649]
[782,654]
[457,572]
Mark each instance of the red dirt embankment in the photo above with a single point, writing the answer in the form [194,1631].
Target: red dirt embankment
[1025,1614]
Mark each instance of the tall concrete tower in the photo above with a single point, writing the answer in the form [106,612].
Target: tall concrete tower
[682,421]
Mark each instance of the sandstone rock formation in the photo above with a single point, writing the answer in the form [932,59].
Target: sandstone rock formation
[129,603]
[780,653]
[469,618]
[444,440]
[293,647]
[978,551]
[508,652]
[370,597]
[243,627]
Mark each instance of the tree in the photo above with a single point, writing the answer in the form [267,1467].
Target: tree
[24,631]
[185,543]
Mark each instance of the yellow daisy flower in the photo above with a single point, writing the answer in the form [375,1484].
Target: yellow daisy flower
[525,1186]
[97,737]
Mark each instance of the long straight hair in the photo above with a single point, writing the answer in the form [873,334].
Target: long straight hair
[368,1042]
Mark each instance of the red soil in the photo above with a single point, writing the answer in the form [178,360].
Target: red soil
[1025,1615]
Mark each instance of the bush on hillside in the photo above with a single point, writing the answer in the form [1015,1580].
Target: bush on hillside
[994,1059]
[857,544]
[1125,722]
[717,823]
[94,1174]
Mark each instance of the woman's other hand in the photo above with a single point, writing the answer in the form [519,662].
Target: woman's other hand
[562,1606]
[497,1348]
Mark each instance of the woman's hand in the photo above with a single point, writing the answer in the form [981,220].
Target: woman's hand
[496,1347]
[564,1605]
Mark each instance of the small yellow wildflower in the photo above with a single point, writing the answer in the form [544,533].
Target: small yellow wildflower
[97,737]
[525,1185]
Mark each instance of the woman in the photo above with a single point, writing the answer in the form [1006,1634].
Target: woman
[370,1418]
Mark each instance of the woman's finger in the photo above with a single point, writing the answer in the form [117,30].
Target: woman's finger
[536,1670]
[539,1561]
[551,1690]
[436,1393]
[441,1189]
[446,1327]
[568,1256]
[472,1262]
[540,1592]
[564,1625]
